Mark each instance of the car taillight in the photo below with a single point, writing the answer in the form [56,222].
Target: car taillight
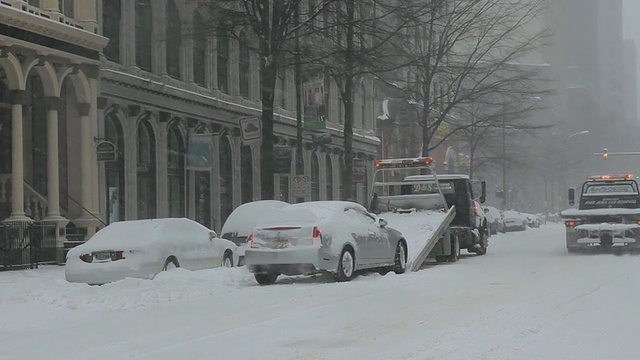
[316,234]
[250,240]
[117,255]
[638,222]
[570,223]
[86,258]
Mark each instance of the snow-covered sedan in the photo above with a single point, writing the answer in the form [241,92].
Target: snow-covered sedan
[338,237]
[239,224]
[143,248]
[514,220]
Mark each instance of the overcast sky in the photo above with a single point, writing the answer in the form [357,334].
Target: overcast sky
[631,10]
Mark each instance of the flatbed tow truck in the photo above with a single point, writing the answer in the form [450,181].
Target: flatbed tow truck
[435,212]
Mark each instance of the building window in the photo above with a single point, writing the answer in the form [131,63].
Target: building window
[199,50]
[315,177]
[175,171]
[340,106]
[363,107]
[329,175]
[341,174]
[223,61]
[66,8]
[115,171]
[146,168]
[34,3]
[111,12]
[244,65]
[282,88]
[226,178]
[174,40]
[144,26]
[246,170]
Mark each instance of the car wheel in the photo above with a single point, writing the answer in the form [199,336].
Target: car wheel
[170,263]
[346,265]
[227,261]
[400,261]
[266,279]
[484,243]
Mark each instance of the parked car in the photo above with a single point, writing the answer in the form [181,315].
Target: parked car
[337,237]
[532,220]
[494,218]
[239,224]
[143,248]
[514,220]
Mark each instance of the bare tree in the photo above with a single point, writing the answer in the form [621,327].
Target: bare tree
[274,24]
[464,50]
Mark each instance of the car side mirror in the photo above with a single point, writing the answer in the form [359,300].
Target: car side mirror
[572,196]
[383,222]
[483,196]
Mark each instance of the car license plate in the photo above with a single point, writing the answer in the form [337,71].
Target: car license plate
[102,256]
[279,244]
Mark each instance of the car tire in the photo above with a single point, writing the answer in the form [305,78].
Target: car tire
[266,279]
[484,244]
[400,259]
[346,265]
[227,260]
[171,260]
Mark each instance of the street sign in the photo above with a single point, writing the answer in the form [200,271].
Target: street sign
[251,129]
[359,170]
[106,151]
[301,186]
[283,158]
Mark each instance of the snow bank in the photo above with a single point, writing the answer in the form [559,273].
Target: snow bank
[417,227]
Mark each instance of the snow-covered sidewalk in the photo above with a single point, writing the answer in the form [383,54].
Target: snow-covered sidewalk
[526,299]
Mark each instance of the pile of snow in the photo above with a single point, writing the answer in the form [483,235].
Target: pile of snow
[417,228]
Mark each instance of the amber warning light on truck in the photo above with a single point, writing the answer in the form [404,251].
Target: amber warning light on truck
[610,177]
[404,163]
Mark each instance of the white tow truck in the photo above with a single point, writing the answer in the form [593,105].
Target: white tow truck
[438,214]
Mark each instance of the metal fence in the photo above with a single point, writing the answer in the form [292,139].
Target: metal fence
[25,245]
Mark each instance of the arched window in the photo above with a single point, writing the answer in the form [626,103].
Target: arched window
[203,193]
[35,115]
[199,50]
[244,65]
[363,107]
[226,178]
[174,40]
[315,177]
[175,171]
[329,175]
[115,170]
[223,61]
[144,26]
[111,13]
[146,161]
[246,170]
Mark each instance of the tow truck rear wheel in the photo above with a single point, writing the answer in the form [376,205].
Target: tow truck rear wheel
[484,243]
[455,250]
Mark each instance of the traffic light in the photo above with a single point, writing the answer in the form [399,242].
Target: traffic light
[605,153]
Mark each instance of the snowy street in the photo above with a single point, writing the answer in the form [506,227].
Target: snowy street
[526,299]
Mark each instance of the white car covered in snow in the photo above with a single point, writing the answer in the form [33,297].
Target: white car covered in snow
[323,236]
[239,224]
[143,248]
[514,220]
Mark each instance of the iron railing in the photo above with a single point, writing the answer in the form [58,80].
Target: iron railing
[25,245]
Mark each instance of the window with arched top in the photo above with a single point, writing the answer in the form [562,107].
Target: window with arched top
[222,57]
[111,15]
[226,178]
[175,171]
[329,177]
[202,196]
[174,39]
[315,177]
[146,171]
[244,64]
[246,173]
[114,170]
[199,50]
[363,107]
[144,27]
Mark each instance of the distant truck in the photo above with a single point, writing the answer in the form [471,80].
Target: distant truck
[465,226]
[608,214]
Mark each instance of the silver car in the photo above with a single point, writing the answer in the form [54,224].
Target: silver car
[323,236]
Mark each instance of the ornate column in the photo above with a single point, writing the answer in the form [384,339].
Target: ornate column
[53,173]
[17,158]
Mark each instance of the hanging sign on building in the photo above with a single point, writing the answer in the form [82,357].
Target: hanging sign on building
[200,152]
[106,151]
[251,130]
[315,111]
[301,186]
[359,169]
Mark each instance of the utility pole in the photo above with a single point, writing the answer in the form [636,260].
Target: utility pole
[298,81]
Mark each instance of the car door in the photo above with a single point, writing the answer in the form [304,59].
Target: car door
[378,237]
[361,234]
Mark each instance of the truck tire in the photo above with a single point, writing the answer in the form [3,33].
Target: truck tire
[484,243]
[455,251]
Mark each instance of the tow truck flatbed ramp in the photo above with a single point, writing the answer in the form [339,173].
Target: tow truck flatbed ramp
[422,230]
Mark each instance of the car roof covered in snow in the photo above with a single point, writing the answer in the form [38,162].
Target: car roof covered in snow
[440,177]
